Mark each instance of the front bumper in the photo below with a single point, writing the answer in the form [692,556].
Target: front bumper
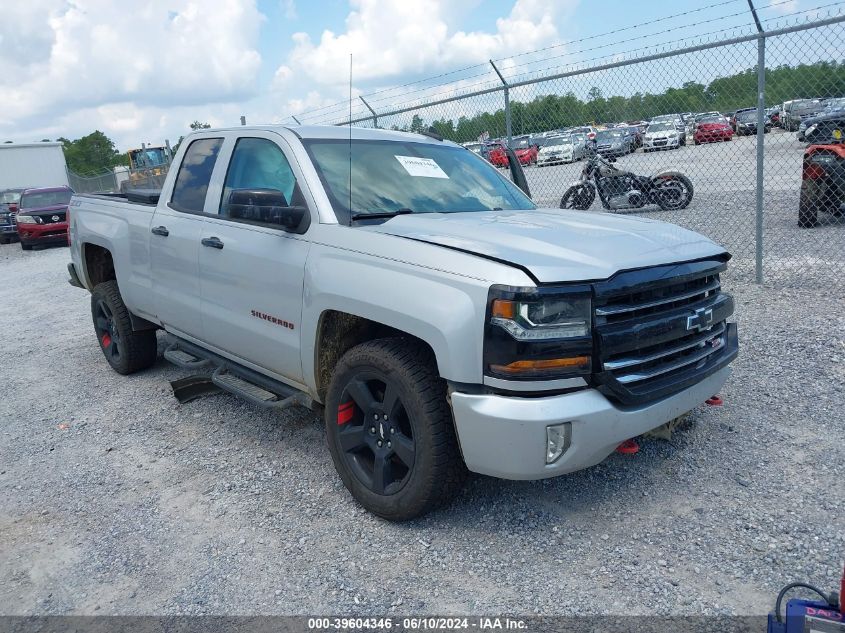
[553,160]
[505,436]
[661,143]
[55,232]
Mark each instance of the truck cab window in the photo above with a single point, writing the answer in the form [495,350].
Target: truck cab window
[194,175]
[258,163]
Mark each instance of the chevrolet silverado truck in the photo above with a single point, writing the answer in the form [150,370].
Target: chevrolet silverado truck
[402,285]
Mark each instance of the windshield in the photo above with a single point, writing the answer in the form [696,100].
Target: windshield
[390,176]
[607,135]
[748,115]
[10,197]
[39,199]
[712,119]
[557,141]
[661,127]
[521,143]
[834,104]
[150,157]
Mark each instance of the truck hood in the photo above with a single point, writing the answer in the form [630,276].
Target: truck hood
[556,245]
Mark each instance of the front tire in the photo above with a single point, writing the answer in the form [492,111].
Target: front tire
[579,197]
[126,351]
[390,430]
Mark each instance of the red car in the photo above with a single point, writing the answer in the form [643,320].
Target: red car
[712,129]
[525,152]
[42,216]
[496,154]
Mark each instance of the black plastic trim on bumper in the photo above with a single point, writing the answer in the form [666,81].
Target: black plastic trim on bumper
[630,395]
[74,278]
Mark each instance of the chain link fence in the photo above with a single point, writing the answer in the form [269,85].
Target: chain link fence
[118,180]
[714,110]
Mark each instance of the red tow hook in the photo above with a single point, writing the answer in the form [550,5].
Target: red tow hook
[715,401]
[628,447]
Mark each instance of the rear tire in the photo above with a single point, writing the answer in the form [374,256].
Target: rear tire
[126,351]
[677,191]
[390,430]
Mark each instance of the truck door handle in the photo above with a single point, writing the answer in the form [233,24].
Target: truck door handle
[213,242]
[160,230]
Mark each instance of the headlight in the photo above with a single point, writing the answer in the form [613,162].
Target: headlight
[538,332]
[810,129]
[27,219]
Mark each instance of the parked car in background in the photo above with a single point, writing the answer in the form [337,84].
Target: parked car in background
[42,216]
[773,115]
[823,174]
[479,148]
[745,122]
[614,142]
[662,135]
[825,131]
[525,150]
[587,130]
[566,148]
[9,201]
[496,154]
[711,129]
[833,109]
[796,111]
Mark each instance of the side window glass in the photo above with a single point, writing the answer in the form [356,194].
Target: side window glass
[258,165]
[194,175]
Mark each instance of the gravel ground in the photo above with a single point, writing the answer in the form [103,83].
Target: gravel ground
[115,499]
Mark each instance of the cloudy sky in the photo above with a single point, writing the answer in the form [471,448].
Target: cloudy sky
[141,71]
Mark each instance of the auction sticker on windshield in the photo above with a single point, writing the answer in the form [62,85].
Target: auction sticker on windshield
[423,167]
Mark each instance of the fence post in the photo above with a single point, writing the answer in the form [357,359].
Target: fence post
[375,116]
[761,136]
[761,142]
[507,103]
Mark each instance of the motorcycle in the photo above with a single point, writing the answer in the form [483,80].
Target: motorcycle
[618,189]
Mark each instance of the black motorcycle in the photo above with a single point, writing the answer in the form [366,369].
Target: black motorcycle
[619,189]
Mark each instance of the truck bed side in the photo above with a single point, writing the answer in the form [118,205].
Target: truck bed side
[123,229]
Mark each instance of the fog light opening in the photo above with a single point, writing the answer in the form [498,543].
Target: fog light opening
[558,440]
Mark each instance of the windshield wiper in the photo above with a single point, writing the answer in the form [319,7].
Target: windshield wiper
[381,214]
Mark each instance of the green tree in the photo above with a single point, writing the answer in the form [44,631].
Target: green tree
[91,154]
[417,124]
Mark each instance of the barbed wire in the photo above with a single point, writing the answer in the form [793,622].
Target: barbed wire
[458,88]
[368,96]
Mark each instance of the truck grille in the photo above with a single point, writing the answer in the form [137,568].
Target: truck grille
[661,329]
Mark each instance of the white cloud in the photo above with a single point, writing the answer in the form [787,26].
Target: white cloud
[392,38]
[141,72]
[58,57]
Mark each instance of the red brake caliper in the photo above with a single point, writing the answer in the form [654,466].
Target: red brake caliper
[345,412]
[106,340]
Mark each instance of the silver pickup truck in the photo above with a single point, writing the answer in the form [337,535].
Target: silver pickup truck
[405,285]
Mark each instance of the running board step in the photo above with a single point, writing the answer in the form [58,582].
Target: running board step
[183,359]
[255,394]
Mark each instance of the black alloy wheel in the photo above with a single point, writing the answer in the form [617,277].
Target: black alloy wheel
[375,433]
[106,330]
[125,349]
[390,430]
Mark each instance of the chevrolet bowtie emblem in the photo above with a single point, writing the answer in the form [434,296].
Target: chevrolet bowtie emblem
[701,320]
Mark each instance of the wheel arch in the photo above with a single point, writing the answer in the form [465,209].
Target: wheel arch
[338,332]
[98,264]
